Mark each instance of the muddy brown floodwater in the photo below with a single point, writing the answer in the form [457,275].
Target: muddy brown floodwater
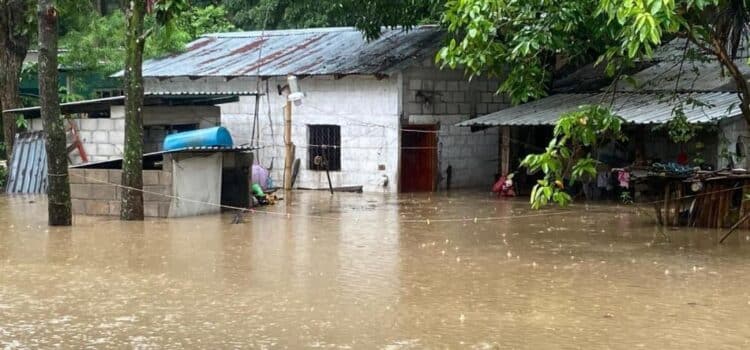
[368,271]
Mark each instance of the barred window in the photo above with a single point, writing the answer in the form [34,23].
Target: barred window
[324,141]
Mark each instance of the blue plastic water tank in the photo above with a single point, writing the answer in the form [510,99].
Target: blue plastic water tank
[211,137]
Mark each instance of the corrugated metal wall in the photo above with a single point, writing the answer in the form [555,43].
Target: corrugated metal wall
[28,165]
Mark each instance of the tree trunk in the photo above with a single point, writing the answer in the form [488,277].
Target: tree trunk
[58,194]
[132,165]
[743,89]
[14,43]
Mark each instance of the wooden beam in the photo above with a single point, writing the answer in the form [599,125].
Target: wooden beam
[504,150]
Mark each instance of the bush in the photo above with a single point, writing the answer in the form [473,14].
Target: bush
[3,175]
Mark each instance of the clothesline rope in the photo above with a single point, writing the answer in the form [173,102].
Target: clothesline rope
[420,220]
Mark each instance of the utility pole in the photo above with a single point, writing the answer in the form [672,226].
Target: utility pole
[296,96]
[289,146]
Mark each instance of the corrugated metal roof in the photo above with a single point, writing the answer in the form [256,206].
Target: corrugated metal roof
[635,108]
[117,162]
[200,93]
[209,149]
[320,51]
[28,165]
[691,75]
[150,99]
[674,50]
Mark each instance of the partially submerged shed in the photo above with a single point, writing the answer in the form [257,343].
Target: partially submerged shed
[183,182]
[528,127]
[695,88]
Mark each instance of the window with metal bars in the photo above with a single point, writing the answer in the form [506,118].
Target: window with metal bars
[324,143]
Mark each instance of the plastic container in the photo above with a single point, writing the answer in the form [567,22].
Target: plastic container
[211,137]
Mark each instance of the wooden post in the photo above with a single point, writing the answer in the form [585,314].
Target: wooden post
[289,146]
[505,150]
[667,192]
[677,203]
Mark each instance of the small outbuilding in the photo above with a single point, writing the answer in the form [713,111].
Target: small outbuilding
[176,183]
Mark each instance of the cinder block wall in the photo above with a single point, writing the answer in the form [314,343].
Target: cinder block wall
[732,131]
[446,97]
[94,192]
[102,138]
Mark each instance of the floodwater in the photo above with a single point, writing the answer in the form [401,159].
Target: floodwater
[368,271]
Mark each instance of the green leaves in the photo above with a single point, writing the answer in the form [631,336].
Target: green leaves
[678,128]
[99,46]
[566,157]
[520,41]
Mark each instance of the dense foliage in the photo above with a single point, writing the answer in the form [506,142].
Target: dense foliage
[522,41]
[99,45]
[369,16]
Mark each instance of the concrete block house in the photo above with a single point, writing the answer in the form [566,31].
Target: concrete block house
[380,112]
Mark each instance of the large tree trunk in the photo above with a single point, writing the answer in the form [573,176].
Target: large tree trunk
[14,43]
[58,194]
[743,89]
[132,165]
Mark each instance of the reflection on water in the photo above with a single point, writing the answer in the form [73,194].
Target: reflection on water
[362,271]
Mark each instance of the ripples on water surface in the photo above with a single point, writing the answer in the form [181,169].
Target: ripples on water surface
[373,274]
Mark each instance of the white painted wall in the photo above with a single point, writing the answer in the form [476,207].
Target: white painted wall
[367,109]
[196,178]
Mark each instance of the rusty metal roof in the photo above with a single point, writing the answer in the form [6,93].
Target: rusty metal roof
[320,51]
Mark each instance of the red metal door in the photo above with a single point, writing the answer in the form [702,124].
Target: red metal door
[418,158]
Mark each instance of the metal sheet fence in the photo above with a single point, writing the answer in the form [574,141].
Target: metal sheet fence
[28,164]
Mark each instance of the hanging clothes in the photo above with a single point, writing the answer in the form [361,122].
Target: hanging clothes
[623,177]
[260,177]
